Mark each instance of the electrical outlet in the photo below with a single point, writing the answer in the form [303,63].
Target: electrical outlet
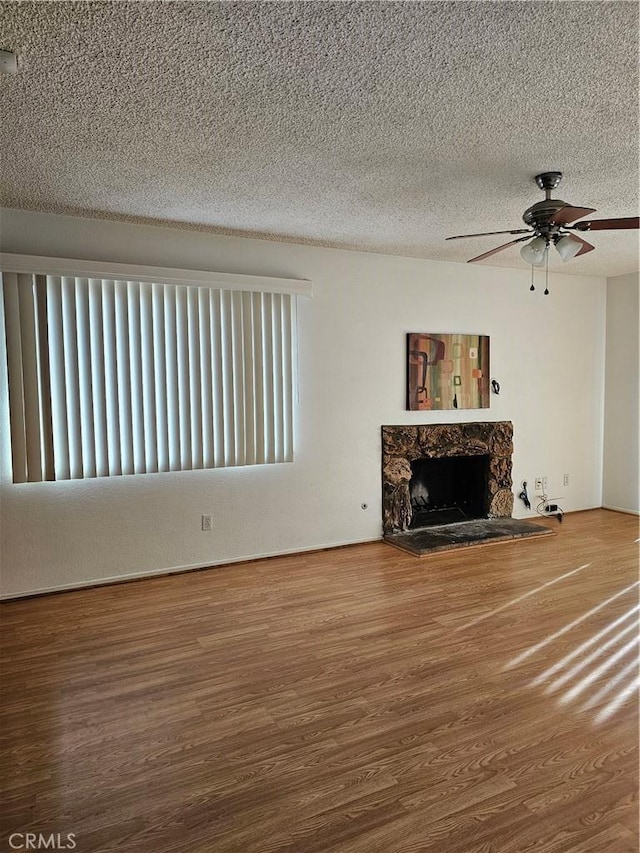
[565,480]
[538,484]
[207,522]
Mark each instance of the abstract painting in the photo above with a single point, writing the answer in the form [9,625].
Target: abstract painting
[447,371]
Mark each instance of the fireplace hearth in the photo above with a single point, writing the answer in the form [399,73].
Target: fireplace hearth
[434,474]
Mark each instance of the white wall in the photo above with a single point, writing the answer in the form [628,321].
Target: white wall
[546,351]
[621,473]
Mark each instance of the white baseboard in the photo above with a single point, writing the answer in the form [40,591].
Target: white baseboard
[529,515]
[170,570]
[621,509]
[174,570]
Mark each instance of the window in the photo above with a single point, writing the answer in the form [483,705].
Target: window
[114,374]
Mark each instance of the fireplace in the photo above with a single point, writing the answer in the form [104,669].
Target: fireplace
[445,473]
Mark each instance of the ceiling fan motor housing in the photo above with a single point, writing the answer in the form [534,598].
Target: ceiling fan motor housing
[539,215]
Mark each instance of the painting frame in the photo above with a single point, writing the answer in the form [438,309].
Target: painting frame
[447,371]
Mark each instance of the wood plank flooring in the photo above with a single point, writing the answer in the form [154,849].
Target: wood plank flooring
[352,701]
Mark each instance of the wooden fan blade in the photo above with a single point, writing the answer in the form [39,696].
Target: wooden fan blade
[586,247]
[570,214]
[609,224]
[497,249]
[491,233]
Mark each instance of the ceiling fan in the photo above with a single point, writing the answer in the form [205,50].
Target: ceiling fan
[549,223]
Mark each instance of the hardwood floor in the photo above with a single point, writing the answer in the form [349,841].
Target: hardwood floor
[354,700]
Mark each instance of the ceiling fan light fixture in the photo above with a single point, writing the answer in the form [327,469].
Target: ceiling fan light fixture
[568,247]
[533,252]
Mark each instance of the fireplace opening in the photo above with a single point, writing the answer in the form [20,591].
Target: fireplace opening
[449,489]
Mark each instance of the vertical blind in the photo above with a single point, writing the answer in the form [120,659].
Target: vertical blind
[110,377]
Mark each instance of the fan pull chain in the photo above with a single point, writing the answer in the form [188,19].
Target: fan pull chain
[546,278]
[532,287]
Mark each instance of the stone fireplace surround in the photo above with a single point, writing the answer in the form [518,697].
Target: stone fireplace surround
[401,445]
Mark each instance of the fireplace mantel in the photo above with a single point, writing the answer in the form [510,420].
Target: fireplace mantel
[401,445]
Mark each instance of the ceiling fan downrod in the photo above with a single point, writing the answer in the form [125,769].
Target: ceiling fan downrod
[541,215]
[548,181]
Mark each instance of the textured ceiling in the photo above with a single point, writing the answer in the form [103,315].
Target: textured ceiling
[377,126]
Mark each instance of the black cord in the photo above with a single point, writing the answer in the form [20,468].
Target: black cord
[559,512]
